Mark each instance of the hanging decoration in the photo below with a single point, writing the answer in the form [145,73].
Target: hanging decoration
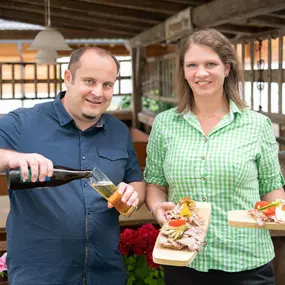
[260,66]
[48,41]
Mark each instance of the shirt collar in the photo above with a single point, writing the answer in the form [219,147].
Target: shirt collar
[63,116]
[234,108]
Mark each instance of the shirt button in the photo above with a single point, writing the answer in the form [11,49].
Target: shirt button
[89,212]
[205,140]
[205,243]
[203,178]
[90,240]
[85,184]
[83,157]
[204,199]
[203,157]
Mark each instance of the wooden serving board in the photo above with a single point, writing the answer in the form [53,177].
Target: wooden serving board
[182,257]
[242,219]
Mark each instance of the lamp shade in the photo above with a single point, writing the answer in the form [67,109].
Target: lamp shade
[47,56]
[49,39]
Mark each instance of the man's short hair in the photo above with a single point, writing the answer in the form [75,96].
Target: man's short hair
[74,62]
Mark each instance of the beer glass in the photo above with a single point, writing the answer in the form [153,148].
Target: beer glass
[105,187]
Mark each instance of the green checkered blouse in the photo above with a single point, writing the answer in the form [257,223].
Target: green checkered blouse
[231,168]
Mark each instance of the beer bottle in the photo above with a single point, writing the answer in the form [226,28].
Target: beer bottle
[61,175]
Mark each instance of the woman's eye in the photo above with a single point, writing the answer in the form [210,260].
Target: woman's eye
[211,64]
[191,65]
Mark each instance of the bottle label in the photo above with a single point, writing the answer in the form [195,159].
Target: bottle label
[30,178]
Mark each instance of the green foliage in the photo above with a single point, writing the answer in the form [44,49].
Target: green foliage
[139,273]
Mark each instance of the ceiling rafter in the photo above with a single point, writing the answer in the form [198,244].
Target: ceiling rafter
[144,5]
[79,18]
[264,21]
[203,15]
[213,14]
[187,2]
[58,23]
[240,29]
[107,12]
[68,33]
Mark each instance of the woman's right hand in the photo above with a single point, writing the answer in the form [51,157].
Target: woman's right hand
[159,209]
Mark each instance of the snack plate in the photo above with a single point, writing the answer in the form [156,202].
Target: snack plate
[242,219]
[181,257]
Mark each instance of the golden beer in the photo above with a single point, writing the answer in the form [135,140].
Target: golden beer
[110,192]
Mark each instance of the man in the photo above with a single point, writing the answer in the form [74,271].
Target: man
[67,235]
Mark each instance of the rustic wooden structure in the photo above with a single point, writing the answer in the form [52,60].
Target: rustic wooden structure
[151,30]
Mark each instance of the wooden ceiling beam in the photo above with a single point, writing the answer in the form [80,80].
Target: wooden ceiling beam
[31,18]
[265,21]
[244,30]
[68,34]
[219,12]
[107,12]
[188,2]
[143,5]
[270,33]
[279,14]
[212,14]
[79,18]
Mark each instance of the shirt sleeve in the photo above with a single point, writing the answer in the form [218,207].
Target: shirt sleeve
[269,173]
[133,170]
[154,172]
[10,131]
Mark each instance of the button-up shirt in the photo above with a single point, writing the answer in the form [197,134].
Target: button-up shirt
[231,168]
[66,235]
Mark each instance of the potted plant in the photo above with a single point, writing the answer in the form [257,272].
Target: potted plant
[136,247]
[3,270]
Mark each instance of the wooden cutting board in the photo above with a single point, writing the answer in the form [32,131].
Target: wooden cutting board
[175,257]
[241,219]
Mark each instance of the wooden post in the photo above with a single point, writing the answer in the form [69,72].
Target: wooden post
[138,57]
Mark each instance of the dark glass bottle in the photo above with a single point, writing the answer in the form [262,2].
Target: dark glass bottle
[61,175]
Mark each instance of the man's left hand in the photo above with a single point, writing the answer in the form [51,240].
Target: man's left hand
[129,195]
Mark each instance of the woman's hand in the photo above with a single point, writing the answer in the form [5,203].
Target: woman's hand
[159,209]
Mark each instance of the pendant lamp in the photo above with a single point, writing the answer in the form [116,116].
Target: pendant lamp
[49,39]
[47,56]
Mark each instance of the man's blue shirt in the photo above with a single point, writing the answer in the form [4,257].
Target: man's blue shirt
[66,235]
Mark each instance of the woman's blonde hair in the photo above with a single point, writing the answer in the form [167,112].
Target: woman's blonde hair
[223,47]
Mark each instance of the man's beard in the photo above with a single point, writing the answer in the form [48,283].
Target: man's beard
[90,118]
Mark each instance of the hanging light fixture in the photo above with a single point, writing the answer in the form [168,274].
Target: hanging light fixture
[49,39]
[46,56]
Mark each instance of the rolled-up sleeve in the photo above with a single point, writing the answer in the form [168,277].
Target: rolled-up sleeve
[154,172]
[269,173]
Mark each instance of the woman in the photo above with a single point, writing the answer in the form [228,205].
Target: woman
[212,148]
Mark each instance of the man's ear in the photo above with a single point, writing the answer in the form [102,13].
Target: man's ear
[67,78]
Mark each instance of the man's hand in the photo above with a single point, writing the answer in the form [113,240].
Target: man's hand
[39,165]
[129,195]
[159,209]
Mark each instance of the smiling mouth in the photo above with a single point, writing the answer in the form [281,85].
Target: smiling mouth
[203,82]
[93,102]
